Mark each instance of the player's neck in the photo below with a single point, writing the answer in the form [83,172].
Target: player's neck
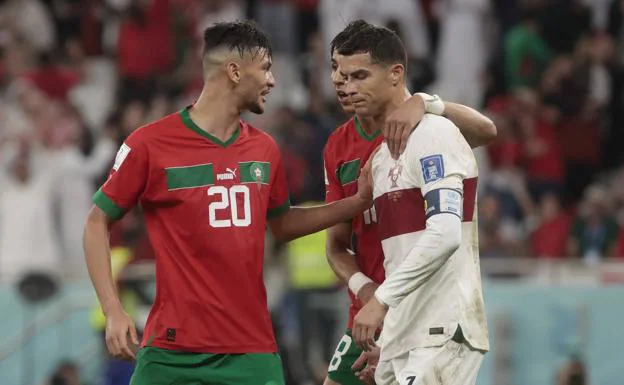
[215,113]
[398,98]
[368,125]
[373,123]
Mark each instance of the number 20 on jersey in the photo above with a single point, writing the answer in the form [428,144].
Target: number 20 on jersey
[226,204]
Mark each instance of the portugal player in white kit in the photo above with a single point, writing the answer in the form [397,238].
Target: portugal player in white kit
[431,302]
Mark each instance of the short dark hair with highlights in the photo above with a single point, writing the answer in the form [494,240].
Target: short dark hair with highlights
[241,36]
[346,33]
[384,46]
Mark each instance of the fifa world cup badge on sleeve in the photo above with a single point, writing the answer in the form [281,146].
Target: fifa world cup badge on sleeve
[432,168]
[123,152]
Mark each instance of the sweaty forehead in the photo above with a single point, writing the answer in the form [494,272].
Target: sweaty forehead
[356,62]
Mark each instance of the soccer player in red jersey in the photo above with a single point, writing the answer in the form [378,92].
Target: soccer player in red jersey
[354,248]
[208,184]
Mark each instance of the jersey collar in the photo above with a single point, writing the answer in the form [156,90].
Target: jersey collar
[189,123]
[363,134]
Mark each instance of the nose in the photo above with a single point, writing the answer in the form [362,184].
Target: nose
[350,89]
[336,78]
[270,79]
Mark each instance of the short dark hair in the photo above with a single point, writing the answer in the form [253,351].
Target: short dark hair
[242,36]
[346,33]
[383,45]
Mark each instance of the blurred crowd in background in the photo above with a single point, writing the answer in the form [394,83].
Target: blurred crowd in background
[78,76]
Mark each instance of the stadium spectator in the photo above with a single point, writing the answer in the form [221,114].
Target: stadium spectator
[594,232]
[526,53]
[550,237]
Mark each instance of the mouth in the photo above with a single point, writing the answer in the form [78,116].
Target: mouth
[264,94]
[343,98]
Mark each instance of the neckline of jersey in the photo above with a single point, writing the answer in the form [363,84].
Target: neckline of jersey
[363,134]
[189,123]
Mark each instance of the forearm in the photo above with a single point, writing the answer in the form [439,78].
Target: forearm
[439,241]
[97,255]
[300,221]
[343,264]
[338,251]
[474,126]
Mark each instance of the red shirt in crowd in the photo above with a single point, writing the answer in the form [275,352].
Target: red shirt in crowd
[546,165]
[549,240]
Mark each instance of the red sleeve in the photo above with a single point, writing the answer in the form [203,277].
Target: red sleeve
[333,188]
[279,200]
[126,181]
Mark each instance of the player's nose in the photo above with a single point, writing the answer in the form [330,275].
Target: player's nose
[337,78]
[350,89]
[270,80]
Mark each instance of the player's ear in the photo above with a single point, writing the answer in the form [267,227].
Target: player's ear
[396,73]
[234,71]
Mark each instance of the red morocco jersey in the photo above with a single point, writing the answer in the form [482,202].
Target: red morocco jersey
[346,152]
[206,204]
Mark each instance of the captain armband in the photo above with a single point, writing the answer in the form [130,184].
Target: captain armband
[443,200]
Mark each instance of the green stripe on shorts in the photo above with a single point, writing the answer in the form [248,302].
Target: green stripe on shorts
[157,366]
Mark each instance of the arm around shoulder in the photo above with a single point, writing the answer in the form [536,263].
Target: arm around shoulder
[477,128]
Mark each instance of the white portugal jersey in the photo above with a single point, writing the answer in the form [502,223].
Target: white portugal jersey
[437,160]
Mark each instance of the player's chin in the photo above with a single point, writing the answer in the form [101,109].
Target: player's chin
[361,110]
[347,107]
[257,108]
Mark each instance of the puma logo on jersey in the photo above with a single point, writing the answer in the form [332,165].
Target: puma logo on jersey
[228,175]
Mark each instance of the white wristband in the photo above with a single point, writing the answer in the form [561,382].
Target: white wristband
[357,282]
[433,104]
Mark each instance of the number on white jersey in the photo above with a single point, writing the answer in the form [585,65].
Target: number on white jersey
[370,216]
[227,198]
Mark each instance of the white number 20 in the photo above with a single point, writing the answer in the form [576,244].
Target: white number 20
[228,197]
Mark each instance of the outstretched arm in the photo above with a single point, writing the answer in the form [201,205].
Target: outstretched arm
[300,221]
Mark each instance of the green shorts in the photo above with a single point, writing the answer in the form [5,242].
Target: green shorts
[344,357]
[157,366]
